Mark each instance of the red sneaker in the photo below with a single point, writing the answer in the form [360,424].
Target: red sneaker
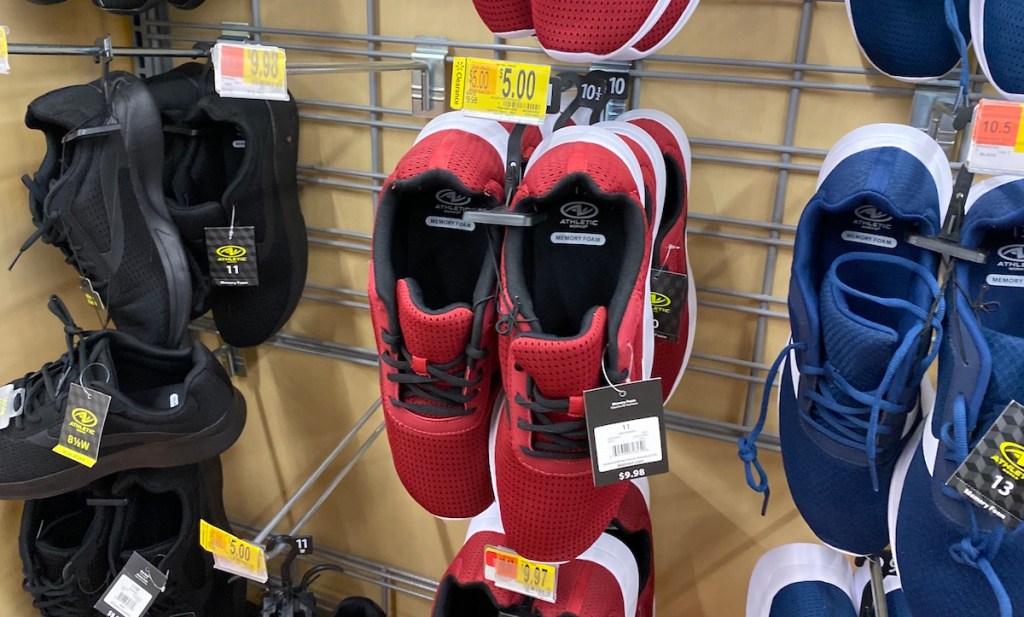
[670,251]
[615,576]
[573,301]
[510,19]
[588,31]
[432,282]
[465,591]
[671,22]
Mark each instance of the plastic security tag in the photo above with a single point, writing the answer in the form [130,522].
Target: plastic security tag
[134,590]
[231,252]
[626,427]
[499,90]
[992,476]
[248,71]
[233,555]
[669,292]
[5,64]
[84,417]
[12,404]
[997,140]
[510,571]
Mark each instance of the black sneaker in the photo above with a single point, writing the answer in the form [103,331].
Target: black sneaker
[63,550]
[358,607]
[126,7]
[161,523]
[99,200]
[167,408]
[229,156]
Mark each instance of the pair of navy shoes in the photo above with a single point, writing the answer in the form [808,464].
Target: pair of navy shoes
[867,443]
[810,580]
[921,40]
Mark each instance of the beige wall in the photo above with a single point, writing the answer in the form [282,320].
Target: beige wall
[708,532]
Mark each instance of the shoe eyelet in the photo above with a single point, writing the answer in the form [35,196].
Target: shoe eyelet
[517,368]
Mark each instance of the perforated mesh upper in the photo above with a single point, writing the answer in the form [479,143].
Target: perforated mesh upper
[660,30]
[908,38]
[564,367]
[505,16]
[1004,44]
[589,26]
[471,158]
[468,569]
[812,599]
[585,590]
[861,353]
[439,337]
[606,169]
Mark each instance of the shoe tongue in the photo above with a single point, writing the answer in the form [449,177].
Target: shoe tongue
[1007,380]
[87,562]
[438,336]
[100,364]
[564,367]
[859,335]
[69,108]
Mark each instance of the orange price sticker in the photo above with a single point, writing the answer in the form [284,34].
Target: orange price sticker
[998,124]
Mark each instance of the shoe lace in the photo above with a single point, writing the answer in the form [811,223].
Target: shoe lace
[855,419]
[448,387]
[45,387]
[58,599]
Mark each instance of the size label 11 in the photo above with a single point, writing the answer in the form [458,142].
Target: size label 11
[510,571]
[245,71]
[500,90]
[997,141]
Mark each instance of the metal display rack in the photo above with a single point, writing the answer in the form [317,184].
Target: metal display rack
[159,40]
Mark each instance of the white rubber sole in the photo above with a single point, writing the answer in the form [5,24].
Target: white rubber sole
[909,80]
[977,12]
[636,54]
[516,34]
[614,556]
[586,58]
[487,521]
[673,127]
[490,131]
[795,563]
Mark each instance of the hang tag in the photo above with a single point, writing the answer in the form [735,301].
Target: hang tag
[233,555]
[134,590]
[500,90]
[992,476]
[508,570]
[597,88]
[997,140]
[669,291]
[91,295]
[12,404]
[84,417]
[626,427]
[231,252]
[249,71]
[5,65]
[304,545]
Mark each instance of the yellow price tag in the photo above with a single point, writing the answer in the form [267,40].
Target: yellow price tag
[5,66]
[511,571]
[264,67]
[500,90]
[243,70]
[248,557]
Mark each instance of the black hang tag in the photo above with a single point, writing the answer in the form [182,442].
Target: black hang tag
[555,95]
[598,88]
[84,417]
[669,291]
[134,589]
[992,476]
[231,252]
[626,429]
[304,545]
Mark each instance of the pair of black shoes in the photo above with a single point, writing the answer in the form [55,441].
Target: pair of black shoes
[73,545]
[131,7]
[130,208]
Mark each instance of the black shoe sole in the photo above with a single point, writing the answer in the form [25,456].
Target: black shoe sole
[142,131]
[183,450]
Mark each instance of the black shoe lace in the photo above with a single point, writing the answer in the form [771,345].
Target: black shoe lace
[58,599]
[53,230]
[443,385]
[46,386]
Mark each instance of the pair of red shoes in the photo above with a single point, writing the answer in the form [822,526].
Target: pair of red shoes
[613,578]
[570,297]
[590,30]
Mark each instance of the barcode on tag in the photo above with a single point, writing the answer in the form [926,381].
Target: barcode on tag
[128,598]
[631,448]
[627,444]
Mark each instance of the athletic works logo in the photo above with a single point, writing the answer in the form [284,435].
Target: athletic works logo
[1011,459]
[870,217]
[450,202]
[1012,257]
[84,417]
[579,215]
[231,254]
[660,302]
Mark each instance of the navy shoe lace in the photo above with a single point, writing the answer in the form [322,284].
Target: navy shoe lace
[856,421]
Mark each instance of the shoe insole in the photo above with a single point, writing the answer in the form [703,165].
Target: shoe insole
[433,245]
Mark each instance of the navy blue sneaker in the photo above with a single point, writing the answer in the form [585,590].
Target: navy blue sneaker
[910,40]
[948,549]
[998,30]
[801,580]
[863,304]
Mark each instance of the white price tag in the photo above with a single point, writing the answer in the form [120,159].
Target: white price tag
[127,597]
[507,570]
[5,65]
[627,444]
[247,71]
[12,404]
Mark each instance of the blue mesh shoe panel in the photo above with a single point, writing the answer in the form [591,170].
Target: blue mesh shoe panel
[812,599]
[908,38]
